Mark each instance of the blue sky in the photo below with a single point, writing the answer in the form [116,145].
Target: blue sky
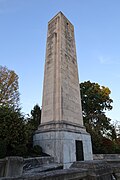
[23,30]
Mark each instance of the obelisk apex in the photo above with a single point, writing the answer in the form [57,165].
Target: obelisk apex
[61,92]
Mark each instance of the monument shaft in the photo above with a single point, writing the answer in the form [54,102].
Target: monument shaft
[61,92]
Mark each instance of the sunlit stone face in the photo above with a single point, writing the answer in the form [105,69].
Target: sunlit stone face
[61,93]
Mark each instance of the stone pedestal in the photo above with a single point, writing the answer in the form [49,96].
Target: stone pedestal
[58,139]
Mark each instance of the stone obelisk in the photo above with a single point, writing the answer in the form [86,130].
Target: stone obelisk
[61,133]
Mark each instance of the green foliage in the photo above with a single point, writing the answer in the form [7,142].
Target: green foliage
[95,100]
[9,94]
[3,149]
[32,125]
[35,119]
[33,122]
[16,133]
[13,136]
[113,134]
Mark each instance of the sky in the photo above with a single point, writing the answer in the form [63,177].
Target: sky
[23,32]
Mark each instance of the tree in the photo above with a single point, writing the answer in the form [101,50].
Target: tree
[95,100]
[16,134]
[36,116]
[9,94]
[32,125]
[35,119]
[13,137]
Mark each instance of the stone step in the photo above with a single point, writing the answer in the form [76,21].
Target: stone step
[40,164]
[34,162]
[44,168]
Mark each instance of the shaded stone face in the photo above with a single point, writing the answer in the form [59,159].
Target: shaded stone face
[61,92]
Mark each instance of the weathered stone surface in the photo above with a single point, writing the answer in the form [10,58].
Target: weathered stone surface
[69,174]
[97,170]
[44,168]
[30,163]
[2,167]
[61,126]
[61,120]
[61,92]
[106,157]
[61,145]
[113,160]
[40,164]
[11,166]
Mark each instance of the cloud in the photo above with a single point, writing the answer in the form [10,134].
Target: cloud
[108,61]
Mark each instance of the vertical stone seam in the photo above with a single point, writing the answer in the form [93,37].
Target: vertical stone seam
[58,71]
[54,76]
[61,97]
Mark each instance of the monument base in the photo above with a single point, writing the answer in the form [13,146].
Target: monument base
[66,142]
